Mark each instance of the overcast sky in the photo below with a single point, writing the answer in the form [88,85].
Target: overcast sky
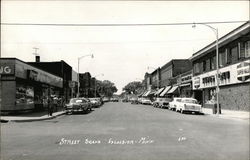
[122,53]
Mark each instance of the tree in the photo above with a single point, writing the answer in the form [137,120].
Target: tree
[133,87]
[106,88]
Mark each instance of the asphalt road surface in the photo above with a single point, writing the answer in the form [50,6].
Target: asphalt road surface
[121,131]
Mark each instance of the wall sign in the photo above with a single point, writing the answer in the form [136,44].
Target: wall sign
[233,74]
[7,69]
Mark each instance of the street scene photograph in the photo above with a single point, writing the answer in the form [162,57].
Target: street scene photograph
[125,80]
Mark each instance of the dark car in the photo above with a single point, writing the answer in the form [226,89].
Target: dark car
[78,105]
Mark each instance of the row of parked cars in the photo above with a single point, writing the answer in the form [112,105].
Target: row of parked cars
[82,104]
[182,105]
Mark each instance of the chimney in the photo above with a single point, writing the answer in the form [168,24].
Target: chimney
[37,58]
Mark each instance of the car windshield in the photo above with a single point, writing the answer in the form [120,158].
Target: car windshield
[189,101]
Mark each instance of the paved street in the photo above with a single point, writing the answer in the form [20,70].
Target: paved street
[122,131]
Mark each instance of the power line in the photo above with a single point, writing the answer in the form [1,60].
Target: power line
[115,24]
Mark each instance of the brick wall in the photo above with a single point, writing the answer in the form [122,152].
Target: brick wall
[8,93]
[235,97]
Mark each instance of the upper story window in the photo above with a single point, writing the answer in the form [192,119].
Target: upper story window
[213,63]
[204,66]
[223,58]
[244,49]
[197,68]
[234,54]
[247,49]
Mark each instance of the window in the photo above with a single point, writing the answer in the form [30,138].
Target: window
[229,57]
[222,58]
[207,64]
[213,63]
[241,50]
[196,68]
[204,66]
[234,54]
[247,49]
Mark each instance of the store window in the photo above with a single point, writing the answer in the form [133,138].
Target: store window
[24,94]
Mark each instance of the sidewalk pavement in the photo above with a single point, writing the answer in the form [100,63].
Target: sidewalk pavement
[30,118]
[228,114]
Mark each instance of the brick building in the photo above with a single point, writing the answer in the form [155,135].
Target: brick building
[234,74]
[169,73]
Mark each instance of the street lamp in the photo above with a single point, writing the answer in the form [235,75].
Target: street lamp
[79,58]
[95,81]
[215,30]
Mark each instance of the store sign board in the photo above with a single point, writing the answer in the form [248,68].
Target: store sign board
[7,67]
[233,74]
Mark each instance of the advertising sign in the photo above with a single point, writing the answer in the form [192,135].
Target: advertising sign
[7,67]
[233,74]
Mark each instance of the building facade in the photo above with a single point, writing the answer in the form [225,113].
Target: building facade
[234,74]
[61,69]
[25,87]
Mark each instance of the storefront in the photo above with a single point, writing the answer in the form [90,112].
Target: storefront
[234,84]
[25,87]
[185,84]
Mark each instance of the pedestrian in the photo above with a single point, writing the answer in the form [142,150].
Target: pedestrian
[49,105]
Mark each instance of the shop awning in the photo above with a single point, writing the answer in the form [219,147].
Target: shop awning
[172,90]
[159,91]
[140,94]
[151,93]
[165,91]
[146,94]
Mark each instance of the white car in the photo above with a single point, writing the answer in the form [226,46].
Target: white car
[174,103]
[161,102]
[188,105]
[146,101]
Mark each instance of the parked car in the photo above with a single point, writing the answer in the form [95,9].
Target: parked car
[105,99]
[96,102]
[114,99]
[134,101]
[78,105]
[161,102]
[188,105]
[124,100]
[174,103]
[146,101]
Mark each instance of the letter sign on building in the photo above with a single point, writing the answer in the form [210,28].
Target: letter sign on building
[6,69]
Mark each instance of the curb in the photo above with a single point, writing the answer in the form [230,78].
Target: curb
[34,119]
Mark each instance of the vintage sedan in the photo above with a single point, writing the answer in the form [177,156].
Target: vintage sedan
[95,102]
[77,105]
[188,105]
[146,101]
[161,102]
[174,103]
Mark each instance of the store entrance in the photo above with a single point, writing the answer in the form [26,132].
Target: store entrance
[198,96]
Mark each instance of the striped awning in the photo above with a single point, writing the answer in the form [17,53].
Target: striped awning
[165,91]
[146,94]
[159,91]
[172,90]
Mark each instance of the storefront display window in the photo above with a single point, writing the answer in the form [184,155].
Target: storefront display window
[24,94]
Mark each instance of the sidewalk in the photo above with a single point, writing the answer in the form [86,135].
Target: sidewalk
[228,114]
[30,118]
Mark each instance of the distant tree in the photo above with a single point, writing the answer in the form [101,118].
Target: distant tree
[133,87]
[106,88]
